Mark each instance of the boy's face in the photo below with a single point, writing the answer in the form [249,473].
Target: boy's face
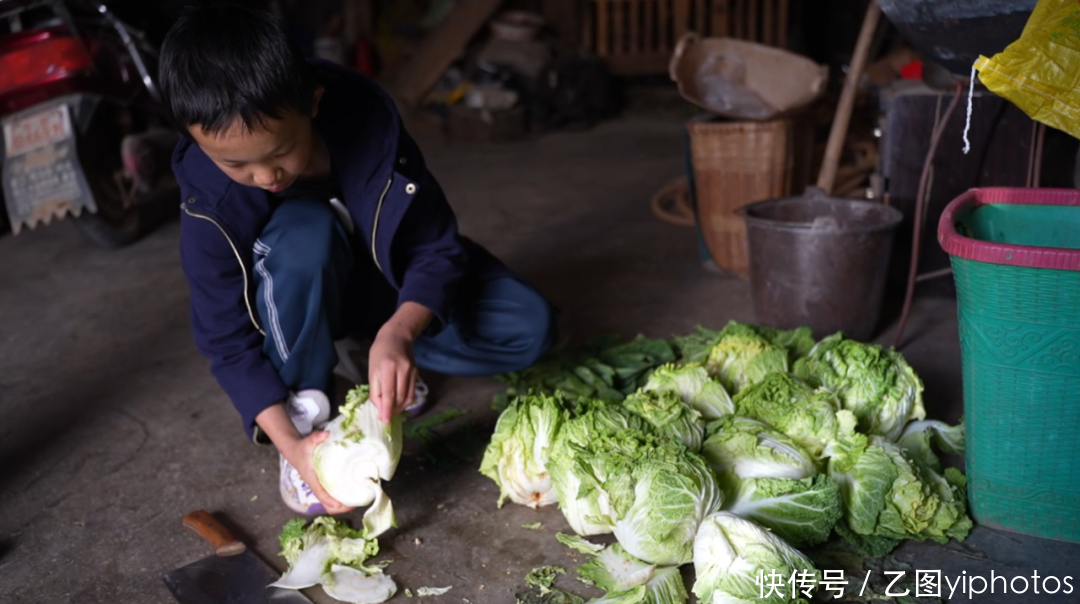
[271,156]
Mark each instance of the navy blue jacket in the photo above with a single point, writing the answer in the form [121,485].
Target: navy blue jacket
[402,216]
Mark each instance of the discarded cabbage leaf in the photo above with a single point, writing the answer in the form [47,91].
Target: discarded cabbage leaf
[877,385]
[921,438]
[732,554]
[359,453]
[517,456]
[329,553]
[432,591]
[544,577]
[608,369]
[669,416]
[347,584]
[741,357]
[697,389]
[578,543]
[793,408]
[306,569]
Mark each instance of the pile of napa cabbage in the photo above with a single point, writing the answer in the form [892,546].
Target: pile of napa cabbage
[753,444]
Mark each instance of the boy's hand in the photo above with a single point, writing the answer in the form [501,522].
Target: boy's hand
[391,369]
[300,453]
[391,372]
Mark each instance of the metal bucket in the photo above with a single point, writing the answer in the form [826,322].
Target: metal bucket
[820,261]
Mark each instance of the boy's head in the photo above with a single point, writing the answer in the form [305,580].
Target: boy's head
[233,78]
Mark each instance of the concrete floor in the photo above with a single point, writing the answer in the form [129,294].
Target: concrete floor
[114,429]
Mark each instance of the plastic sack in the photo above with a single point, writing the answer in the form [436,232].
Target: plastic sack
[744,80]
[1040,72]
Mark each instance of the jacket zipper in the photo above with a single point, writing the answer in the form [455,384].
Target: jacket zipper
[243,269]
[375,225]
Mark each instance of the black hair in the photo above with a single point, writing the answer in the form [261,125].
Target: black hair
[226,62]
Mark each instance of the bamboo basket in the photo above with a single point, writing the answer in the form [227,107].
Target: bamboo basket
[734,165]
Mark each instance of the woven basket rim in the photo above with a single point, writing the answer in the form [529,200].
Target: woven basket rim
[1028,256]
[778,124]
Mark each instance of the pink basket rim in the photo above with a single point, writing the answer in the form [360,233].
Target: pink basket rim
[1003,253]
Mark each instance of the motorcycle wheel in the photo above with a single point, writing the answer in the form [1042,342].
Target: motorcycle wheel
[119,221]
[114,225]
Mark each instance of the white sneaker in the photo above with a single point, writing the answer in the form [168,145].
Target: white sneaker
[296,493]
[308,409]
[420,398]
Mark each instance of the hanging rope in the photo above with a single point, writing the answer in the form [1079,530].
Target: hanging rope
[920,202]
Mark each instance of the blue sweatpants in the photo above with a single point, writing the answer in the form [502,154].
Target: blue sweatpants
[309,293]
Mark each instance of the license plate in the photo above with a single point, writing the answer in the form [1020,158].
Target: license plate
[34,131]
[42,176]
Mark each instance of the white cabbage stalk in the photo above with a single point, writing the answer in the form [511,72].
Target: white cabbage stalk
[517,456]
[696,388]
[731,554]
[306,570]
[351,585]
[361,452]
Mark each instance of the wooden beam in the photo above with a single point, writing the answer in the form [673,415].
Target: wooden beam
[441,47]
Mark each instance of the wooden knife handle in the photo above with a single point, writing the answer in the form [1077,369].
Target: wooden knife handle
[207,527]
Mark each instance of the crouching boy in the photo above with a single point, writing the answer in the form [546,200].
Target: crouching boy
[309,217]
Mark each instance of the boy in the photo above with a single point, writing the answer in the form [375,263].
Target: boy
[309,216]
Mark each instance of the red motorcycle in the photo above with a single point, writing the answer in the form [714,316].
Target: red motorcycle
[85,133]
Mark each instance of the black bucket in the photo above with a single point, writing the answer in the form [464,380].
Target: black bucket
[820,261]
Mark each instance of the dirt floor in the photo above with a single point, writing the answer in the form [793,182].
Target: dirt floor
[113,428]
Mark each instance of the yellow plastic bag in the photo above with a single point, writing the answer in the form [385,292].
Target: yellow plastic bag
[1040,72]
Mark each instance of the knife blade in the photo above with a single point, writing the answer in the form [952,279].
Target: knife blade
[232,575]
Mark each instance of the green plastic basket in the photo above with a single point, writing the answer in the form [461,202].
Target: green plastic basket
[1016,260]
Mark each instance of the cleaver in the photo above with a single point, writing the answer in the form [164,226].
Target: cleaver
[233,575]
